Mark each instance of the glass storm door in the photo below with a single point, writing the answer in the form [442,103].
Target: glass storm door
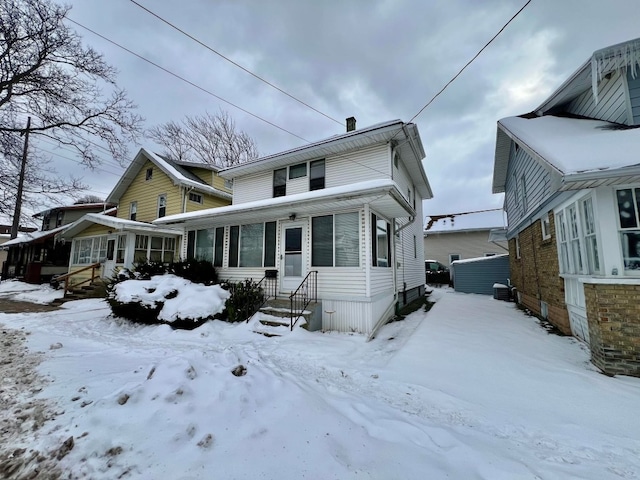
[292,258]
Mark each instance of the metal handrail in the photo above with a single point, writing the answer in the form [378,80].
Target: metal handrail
[269,286]
[306,292]
[67,276]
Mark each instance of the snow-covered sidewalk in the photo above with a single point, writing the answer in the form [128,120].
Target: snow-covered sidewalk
[472,389]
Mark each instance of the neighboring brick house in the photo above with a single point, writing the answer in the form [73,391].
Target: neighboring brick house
[571,178]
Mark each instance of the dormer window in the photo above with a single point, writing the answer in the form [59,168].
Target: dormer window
[149,174]
[279,182]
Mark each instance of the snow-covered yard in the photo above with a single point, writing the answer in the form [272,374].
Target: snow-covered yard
[473,389]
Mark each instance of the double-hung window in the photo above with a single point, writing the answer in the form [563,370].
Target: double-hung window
[577,239]
[133,210]
[335,240]
[380,242]
[279,182]
[252,245]
[162,205]
[154,249]
[628,200]
[316,175]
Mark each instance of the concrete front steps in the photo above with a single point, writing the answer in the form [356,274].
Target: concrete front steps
[274,318]
[96,289]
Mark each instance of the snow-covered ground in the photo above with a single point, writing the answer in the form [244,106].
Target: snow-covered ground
[473,389]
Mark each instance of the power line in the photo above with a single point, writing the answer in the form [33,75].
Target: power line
[189,82]
[470,61]
[199,42]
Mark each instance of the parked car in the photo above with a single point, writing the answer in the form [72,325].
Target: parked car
[436,272]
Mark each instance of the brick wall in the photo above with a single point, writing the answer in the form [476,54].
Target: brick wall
[536,274]
[613,312]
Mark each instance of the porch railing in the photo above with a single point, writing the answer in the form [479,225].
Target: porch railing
[67,276]
[306,293]
[268,286]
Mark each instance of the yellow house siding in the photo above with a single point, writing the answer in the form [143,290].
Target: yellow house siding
[207,202]
[146,193]
[93,230]
[203,174]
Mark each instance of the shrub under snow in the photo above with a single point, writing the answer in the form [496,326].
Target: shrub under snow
[167,299]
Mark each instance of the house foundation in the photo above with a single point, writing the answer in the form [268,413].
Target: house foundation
[613,313]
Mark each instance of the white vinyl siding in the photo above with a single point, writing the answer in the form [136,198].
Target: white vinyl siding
[612,101]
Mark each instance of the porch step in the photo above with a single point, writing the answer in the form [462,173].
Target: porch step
[97,289]
[272,326]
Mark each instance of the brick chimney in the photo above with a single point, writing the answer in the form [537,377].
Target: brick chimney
[351,124]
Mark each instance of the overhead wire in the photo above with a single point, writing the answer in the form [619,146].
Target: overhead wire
[188,81]
[469,62]
[211,49]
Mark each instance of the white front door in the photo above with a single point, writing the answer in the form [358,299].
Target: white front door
[293,256]
[109,263]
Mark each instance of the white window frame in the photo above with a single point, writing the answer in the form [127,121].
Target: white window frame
[197,198]
[545,224]
[162,203]
[94,250]
[518,253]
[628,235]
[133,211]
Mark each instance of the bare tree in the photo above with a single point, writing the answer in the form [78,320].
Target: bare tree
[88,198]
[212,139]
[67,89]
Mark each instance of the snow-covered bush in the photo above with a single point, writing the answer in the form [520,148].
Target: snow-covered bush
[167,299]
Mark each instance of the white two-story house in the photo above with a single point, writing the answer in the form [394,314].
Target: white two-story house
[346,210]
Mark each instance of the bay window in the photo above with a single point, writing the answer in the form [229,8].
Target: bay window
[628,202]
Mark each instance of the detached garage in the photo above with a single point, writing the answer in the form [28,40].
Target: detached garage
[478,275]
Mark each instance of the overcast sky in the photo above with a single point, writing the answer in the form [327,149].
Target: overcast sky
[376,61]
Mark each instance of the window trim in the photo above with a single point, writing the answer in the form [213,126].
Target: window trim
[545,227]
[148,174]
[298,166]
[280,188]
[375,259]
[235,245]
[317,182]
[334,242]
[162,196]
[196,195]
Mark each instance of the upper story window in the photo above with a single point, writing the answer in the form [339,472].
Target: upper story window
[228,183]
[628,200]
[133,210]
[280,182]
[395,160]
[59,218]
[196,197]
[316,175]
[149,175]
[298,171]
[162,205]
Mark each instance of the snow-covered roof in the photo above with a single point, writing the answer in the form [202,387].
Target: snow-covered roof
[77,206]
[171,168]
[574,145]
[115,223]
[464,222]
[33,237]
[488,258]
[383,194]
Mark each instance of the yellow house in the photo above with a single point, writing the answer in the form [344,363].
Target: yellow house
[152,187]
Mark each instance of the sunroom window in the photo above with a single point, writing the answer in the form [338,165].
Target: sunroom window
[629,220]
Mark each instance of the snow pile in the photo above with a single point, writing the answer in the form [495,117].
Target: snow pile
[27,292]
[472,389]
[181,298]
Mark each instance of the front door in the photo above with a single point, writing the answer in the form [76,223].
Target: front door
[110,260]
[293,257]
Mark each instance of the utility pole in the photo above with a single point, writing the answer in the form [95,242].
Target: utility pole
[16,211]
